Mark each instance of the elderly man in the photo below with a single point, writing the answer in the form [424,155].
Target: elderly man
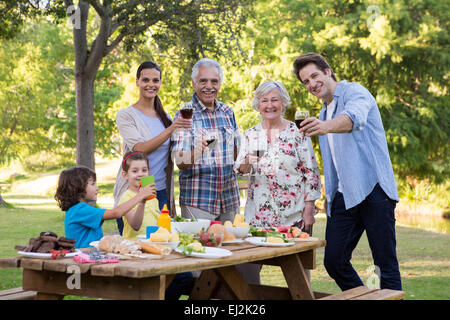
[359,181]
[208,185]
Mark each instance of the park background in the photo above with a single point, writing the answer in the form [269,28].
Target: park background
[396,49]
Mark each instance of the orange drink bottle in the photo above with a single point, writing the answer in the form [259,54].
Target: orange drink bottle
[164,218]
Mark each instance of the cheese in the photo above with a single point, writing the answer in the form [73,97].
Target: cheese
[274,240]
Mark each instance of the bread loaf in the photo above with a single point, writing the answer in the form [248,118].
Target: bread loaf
[109,243]
[155,248]
[216,229]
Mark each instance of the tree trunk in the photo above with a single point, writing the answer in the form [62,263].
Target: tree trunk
[84,88]
[87,63]
[2,202]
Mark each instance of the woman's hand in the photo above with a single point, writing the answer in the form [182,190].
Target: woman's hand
[181,123]
[308,216]
[246,165]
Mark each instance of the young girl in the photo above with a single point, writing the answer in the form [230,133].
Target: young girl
[83,222]
[134,167]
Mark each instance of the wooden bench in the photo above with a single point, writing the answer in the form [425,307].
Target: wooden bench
[17,294]
[364,293]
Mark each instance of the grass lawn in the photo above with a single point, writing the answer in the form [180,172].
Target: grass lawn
[424,256]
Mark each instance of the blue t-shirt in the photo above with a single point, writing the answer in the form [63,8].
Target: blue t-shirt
[159,158]
[83,223]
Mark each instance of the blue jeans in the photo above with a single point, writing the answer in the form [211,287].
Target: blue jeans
[162,197]
[344,228]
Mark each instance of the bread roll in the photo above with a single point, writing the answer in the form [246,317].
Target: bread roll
[216,228]
[228,236]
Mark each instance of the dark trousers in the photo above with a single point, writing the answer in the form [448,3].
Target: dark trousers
[344,228]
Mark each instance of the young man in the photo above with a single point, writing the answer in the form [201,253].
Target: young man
[361,192]
[208,184]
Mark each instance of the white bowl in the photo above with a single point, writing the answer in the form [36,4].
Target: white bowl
[239,232]
[205,223]
[186,226]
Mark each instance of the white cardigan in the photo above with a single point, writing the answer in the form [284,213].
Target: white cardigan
[133,130]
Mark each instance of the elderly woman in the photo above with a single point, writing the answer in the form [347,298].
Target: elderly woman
[284,180]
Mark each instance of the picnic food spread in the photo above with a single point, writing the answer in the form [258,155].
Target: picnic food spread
[112,248]
[48,242]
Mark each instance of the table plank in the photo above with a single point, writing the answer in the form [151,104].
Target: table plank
[50,282]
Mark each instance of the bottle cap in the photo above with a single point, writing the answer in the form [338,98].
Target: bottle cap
[164,209]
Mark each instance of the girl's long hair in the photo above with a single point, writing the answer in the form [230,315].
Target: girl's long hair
[72,186]
[158,104]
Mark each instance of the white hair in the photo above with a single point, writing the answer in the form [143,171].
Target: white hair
[265,87]
[205,62]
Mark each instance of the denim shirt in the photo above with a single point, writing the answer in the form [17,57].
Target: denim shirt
[362,155]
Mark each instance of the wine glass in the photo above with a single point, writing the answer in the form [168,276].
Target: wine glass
[186,110]
[211,139]
[258,148]
[300,115]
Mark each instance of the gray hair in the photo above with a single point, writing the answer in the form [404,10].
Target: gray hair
[265,87]
[205,62]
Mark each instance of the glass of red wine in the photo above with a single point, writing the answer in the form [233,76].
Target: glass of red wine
[187,110]
[300,115]
[211,140]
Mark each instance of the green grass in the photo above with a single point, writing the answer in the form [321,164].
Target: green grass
[424,256]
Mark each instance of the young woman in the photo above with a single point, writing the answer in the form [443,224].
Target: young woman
[145,126]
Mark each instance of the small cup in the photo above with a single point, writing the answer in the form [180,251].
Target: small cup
[150,230]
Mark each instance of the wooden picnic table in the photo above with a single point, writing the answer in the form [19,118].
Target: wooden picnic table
[148,278]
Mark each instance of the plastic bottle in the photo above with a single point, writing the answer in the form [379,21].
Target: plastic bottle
[164,218]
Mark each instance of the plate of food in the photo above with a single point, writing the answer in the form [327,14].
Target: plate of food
[49,255]
[172,245]
[48,246]
[204,252]
[235,241]
[270,241]
[306,239]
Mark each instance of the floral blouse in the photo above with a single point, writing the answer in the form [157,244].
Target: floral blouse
[282,180]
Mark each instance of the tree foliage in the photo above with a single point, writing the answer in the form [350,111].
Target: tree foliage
[396,49]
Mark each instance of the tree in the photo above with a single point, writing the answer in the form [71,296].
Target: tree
[194,24]
[397,49]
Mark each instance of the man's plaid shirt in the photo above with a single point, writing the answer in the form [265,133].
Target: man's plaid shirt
[210,184]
